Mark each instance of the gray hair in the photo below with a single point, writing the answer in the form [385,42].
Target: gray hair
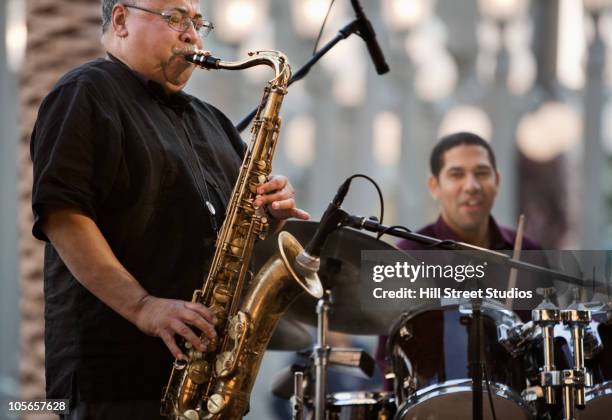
[107,12]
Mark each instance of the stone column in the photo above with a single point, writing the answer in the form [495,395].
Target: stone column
[61,35]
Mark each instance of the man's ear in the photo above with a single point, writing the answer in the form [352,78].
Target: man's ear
[433,185]
[118,20]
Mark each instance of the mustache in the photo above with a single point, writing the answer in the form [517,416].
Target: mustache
[184,50]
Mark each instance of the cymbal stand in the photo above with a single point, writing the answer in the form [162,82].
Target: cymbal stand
[321,354]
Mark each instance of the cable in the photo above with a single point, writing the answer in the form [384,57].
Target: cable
[441,242]
[380,196]
[316,45]
[389,228]
[486,377]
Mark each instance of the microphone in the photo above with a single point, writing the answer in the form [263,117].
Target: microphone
[308,261]
[366,31]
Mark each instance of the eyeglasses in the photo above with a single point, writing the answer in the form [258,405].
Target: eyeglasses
[181,22]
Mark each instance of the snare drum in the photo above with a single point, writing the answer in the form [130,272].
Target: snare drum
[360,406]
[430,353]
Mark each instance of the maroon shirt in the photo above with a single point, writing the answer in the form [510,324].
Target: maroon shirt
[502,238]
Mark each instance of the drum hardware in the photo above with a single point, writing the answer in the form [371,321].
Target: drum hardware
[348,357]
[592,343]
[300,379]
[352,357]
[546,318]
[516,339]
[532,394]
[599,397]
[321,353]
[297,400]
[574,380]
[405,333]
[283,382]
[410,384]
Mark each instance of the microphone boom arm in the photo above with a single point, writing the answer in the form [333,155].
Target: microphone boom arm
[353,27]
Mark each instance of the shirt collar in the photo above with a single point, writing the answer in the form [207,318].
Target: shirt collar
[499,238]
[178,101]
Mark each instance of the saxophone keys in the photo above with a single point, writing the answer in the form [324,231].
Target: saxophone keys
[223,364]
[222,293]
[199,371]
[236,246]
[180,364]
[219,312]
[190,415]
[261,165]
[215,403]
[262,179]
[237,326]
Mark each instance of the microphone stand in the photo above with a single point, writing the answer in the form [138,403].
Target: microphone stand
[475,339]
[321,355]
[362,223]
[351,28]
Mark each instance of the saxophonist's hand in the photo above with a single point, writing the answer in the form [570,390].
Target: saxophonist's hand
[165,318]
[278,196]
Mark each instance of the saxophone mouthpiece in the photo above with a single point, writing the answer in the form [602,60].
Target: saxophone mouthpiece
[203,59]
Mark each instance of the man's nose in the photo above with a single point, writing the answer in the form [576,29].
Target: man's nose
[191,36]
[471,183]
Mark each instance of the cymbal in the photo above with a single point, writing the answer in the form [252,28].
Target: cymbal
[339,272]
[289,335]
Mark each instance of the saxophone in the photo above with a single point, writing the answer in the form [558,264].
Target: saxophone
[216,384]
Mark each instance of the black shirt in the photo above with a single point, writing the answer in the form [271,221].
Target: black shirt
[116,147]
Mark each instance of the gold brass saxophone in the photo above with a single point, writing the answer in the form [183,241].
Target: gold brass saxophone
[216,383]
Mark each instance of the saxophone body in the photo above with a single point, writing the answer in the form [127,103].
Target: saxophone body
[216,384]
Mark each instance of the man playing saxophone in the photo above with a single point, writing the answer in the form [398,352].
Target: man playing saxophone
[131,179]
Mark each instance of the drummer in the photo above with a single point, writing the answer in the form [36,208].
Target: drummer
[464,181]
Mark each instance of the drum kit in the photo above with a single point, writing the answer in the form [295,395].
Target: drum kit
[558,365]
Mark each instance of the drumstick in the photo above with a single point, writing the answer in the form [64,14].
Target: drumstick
[518,244]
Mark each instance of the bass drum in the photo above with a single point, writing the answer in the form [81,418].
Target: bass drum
[430,353]
[360,406]
[599,397]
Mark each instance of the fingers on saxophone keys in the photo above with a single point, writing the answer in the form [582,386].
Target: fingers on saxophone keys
[275,182]
[278,200]
[193,318]
[187,333]
[203,311]
[172,346]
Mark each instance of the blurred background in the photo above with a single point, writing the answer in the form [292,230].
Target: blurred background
[532,77]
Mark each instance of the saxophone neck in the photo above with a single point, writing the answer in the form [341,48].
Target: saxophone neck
[273,59]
